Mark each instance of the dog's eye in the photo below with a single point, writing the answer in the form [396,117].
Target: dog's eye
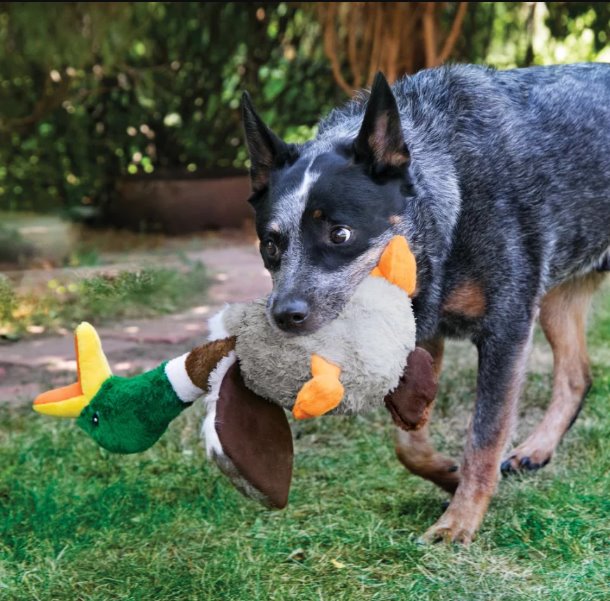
[340,234]
[271,249]
[95,420]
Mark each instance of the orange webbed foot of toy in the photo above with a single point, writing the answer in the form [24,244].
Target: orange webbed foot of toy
[322,393]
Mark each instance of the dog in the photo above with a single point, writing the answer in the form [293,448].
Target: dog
[500,181]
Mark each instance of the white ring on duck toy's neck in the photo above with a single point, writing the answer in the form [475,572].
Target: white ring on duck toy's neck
[178,377]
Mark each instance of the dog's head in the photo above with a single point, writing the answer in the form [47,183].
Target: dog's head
[325,210]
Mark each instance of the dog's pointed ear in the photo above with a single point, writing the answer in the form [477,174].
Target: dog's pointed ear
[267,151]
[380,142]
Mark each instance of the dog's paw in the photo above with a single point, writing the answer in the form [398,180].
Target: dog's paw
[525,459]
[449,530]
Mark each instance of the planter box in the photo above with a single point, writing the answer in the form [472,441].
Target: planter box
[182,205]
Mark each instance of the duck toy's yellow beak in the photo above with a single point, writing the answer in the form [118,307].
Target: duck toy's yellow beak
[93,371]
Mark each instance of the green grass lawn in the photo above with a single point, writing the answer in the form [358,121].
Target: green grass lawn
[78,523]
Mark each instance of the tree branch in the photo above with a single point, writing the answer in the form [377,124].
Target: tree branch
[454,33]
[430,34]
[330,45]
[352,40]
[50,99]
[377,43]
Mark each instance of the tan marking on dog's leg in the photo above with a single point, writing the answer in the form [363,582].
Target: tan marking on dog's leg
[480,471]
[563,317]
[414,449]
[468,299]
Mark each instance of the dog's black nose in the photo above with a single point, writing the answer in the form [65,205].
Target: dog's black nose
[290,314]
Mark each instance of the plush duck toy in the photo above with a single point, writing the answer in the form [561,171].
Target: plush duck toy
[249,371]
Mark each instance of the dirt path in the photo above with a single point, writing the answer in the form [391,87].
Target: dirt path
[30,366]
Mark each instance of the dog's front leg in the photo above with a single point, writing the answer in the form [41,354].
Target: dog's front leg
[502,360]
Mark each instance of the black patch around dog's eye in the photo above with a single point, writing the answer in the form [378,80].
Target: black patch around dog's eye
[272,249]
[340,234]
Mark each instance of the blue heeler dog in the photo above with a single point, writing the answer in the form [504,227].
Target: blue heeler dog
[500,181]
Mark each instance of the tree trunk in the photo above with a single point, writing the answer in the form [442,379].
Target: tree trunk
[361,38]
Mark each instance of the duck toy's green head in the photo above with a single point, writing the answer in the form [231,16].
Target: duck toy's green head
[123,415]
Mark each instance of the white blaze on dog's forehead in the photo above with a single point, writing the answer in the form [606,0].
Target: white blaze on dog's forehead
[292,204]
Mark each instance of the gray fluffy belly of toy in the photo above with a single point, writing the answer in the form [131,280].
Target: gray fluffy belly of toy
[370,341]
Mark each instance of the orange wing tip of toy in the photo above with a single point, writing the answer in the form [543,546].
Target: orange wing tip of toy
[318,396]
[322,393]
[397,265]
[299,413]
[322,367]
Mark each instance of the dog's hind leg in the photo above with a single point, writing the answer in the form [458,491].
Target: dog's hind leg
[563,316]
[414,448]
